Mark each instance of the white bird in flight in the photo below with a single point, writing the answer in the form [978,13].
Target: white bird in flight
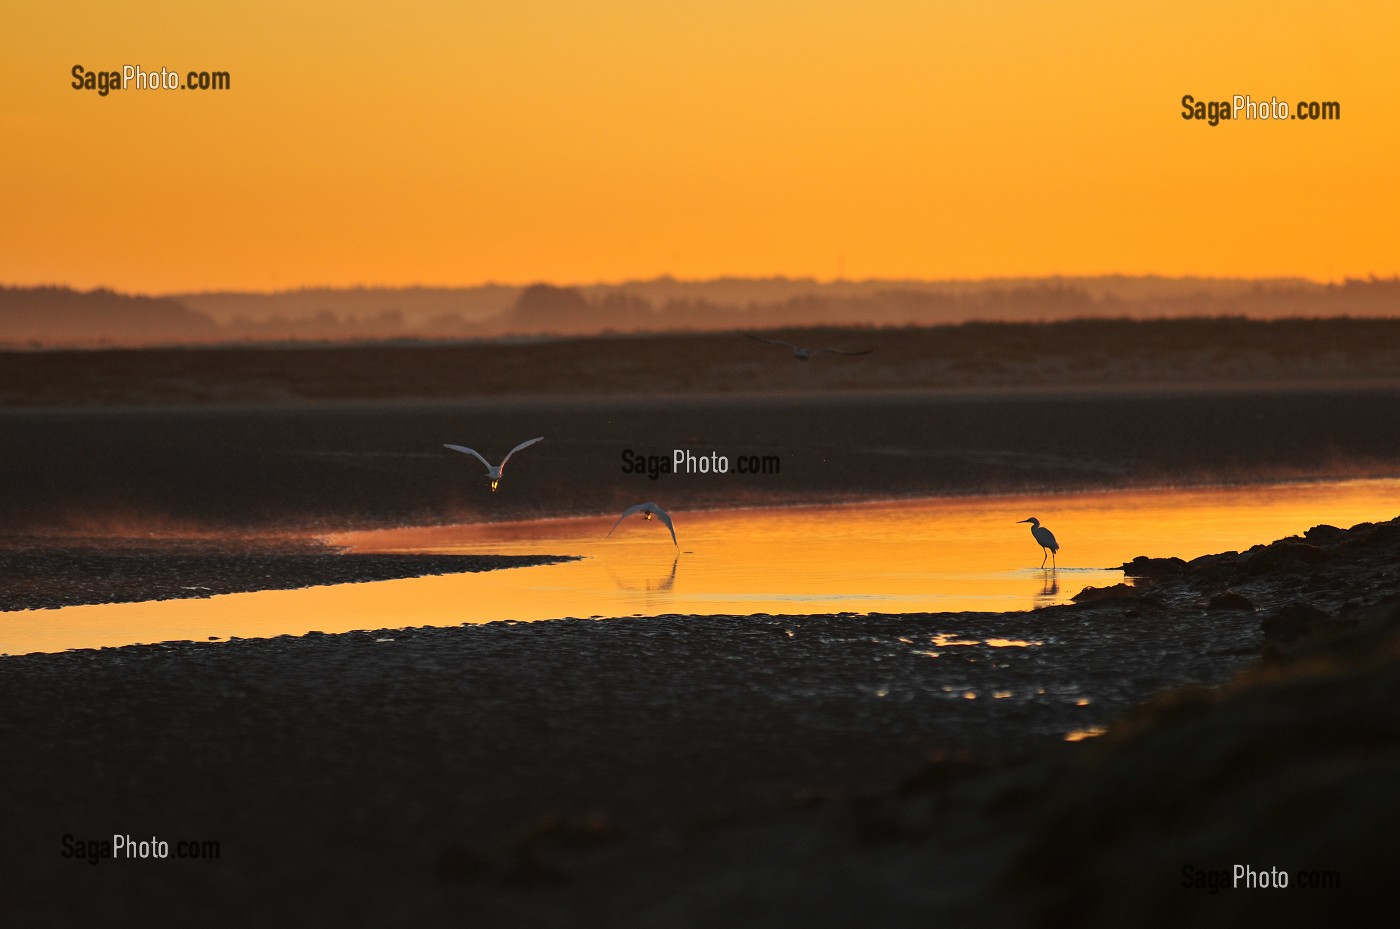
[805,354]
[648,510]
[1045,537]
[493,471]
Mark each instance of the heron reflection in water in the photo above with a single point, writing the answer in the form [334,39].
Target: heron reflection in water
[1049,588]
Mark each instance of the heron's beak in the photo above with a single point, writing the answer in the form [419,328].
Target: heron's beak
[493,486]
[1019,521]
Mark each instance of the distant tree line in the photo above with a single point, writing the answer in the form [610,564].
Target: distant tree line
[43,316]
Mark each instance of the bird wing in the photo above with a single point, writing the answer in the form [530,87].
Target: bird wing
[1045,537]
[666,518]
[772,341]
[525,444]
[840,351]
[470,451]
[631,510]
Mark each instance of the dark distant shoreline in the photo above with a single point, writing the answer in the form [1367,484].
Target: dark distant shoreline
[58,316]
[1081,353]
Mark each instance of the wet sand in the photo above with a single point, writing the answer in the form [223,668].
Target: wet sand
[167,472]
[684,771]
[309,438]
[1093,353]
[44,573]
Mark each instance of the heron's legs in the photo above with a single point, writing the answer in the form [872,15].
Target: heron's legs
[1044,554]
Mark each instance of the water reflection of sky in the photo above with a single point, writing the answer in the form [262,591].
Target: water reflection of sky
[914,556]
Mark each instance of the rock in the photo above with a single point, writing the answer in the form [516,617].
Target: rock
[1142,566]
[1325,535]
[1381,535]
[1285,556]
[1293,622]
[1107,594]
[1230,600]
[1212,568]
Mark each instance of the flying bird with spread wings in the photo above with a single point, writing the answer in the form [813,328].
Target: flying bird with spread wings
[648,510]
[493,471]
[805,354]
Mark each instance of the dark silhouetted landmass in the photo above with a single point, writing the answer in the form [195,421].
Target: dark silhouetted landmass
[59,315]
[49,317]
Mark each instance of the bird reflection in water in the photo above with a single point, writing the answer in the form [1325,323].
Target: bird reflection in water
[634,575]
[1049,589]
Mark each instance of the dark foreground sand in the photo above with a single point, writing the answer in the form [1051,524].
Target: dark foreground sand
[745,771]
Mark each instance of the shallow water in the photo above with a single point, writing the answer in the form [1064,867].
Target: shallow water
[932,555]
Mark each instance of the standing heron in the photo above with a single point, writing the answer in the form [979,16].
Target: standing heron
[1045,538]
[493,472]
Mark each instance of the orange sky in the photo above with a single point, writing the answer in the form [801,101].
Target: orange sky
[456,143]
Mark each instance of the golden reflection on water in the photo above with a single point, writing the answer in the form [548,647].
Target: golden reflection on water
[945,640]
[1049,588]
[912,556]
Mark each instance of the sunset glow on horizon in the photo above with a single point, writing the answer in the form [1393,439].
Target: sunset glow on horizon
[441,144]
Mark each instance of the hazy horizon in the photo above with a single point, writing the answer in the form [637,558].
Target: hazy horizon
[55,316]
[664,279]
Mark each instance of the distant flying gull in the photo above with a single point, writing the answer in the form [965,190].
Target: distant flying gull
[805,354]
[492,471]
[1045,537]
[648,510]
